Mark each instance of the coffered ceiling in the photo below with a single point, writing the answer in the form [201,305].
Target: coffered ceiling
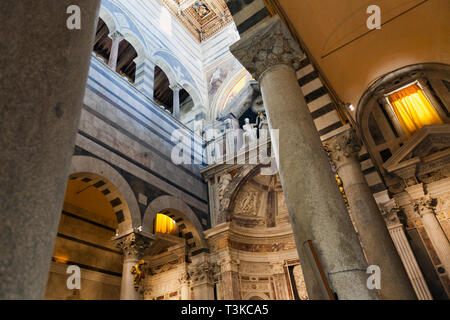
[202,18]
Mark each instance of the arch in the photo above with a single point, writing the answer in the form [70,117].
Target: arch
[166,67]
[230,193]
[137,44]
[164,203]
[255,296]
[85,166]
[376,121]
[220,97]
[389,78]
[198,102]
[109,19]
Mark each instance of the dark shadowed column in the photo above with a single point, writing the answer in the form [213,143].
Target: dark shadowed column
[43,75]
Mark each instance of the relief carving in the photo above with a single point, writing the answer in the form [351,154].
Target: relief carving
[247,204]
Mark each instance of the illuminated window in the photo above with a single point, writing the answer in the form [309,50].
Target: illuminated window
[164,224]
[413,109]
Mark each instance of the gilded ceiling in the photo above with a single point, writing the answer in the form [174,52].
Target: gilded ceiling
[202,18]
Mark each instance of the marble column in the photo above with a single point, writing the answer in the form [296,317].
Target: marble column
[316,208]
[426,207]
[176,101]
[116,37]
[132,246]
[397,232]
[44,68]
[145,76]
[375,238]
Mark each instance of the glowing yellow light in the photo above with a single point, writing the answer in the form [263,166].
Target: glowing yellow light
[164,224]
[61,259]
[413,109]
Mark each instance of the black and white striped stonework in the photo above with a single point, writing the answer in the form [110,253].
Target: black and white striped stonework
[108,189]
[247,14]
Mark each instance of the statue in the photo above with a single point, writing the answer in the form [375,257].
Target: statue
[250,134]
[225,180]
[138,272]
[262,122]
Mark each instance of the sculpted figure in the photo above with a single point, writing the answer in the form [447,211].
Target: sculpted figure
[250,134]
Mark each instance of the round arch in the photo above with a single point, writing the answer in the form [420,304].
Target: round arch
[176,205]
[220,97]
[227,203]
[136,43]
[109,19]
[165,66]
[119,192]
[193,93]
[255,296]
[377,123]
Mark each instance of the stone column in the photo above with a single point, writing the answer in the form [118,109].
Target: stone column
[44,68]
[132,246]
[116,37]
[280,283]
[316,208]
[145,76]
[377,244]
[396,230]
[426,207]
[202,281]
[176,101]
[230,284]
[184,287]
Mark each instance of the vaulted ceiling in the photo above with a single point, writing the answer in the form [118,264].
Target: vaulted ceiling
[351,56]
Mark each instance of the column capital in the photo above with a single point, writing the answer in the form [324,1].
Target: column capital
[425,205]
[176,87]
[203,272]
[133,244]
[266,46]
[391,212]
[116,35]
[184,279]
[343,147]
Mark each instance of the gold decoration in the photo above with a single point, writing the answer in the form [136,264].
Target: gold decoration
[138,272]
[341,188]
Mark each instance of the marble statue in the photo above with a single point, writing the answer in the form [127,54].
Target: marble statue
[262,122]
[250,134]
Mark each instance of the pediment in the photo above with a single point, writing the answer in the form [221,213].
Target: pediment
[430,140]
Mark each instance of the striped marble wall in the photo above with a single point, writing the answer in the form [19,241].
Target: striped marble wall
[131,133]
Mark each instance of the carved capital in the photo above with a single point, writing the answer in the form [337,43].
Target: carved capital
[343,147]
[425,205]
[184,279]
[133,245]
[203,272]
[393,215]
[268,45]
[116,36]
